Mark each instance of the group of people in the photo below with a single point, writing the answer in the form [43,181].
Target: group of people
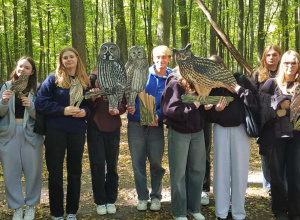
[269,91]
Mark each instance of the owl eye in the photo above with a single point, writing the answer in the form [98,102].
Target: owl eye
[185,53]
[179,55]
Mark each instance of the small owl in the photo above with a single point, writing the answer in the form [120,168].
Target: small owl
[295,105]
[111,74]
[203,73]
[136,72]
[20,84]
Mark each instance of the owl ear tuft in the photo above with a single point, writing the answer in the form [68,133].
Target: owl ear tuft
[174,50]
[188,46]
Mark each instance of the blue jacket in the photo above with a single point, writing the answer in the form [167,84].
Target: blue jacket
[155,86]
[51,101]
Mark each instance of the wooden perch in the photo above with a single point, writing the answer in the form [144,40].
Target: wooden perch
[222,36]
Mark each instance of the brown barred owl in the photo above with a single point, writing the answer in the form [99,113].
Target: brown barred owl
[295,105]
[203,73]
[20,84]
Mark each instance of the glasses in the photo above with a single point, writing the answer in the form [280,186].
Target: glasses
[290,64]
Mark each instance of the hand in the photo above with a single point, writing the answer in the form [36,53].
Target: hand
[113,112]
[131,110]
[285,104]
[221,104]
[154,124]
[281,112]
[208,107]
[71,110]
[80,114]
[197,104]
[6,95]
[26,101]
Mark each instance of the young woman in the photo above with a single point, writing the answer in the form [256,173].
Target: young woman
[21,149]
[268,69]
[283,150]
[65,129]
[186,148]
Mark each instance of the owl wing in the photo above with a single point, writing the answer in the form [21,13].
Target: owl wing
[104,76]
[295,108]
[20,84]
[119,76]
[213,71]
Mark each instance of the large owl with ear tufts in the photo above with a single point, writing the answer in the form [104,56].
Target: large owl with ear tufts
[111,74]
[137,73]
[295,105]
[203,73]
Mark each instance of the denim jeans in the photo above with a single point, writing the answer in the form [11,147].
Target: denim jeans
[146,142]
[187,158]
[103,149]
[56,143]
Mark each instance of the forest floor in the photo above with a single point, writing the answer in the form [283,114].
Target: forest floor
[258,205]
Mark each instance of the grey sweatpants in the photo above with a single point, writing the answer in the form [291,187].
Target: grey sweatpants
[16,156]
[231,164]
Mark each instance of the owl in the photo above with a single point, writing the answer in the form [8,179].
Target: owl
[20,84]
[111,74]
[203,73]
[295,105]
[136,72]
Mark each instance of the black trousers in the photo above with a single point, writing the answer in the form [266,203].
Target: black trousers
[56,143]
[285,160]
[208,140]
[104,149]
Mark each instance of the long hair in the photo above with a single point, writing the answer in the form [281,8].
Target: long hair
[263,71]
[62,78]
[188,87]
[32,78]
[281,82]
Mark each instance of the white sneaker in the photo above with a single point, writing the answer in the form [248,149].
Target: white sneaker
[101,209]
[111,208]
[71,217]
[57,218]
[180,218]
[29,213]
[204,198]
[142,205]
[197,216]
[155,205]
[18,214]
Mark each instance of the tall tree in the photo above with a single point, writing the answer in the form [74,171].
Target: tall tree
[7,52]
[132,21]
[184,28]
[42,54]
[241,31]
[163,22]
[251,51]
[213,34]
[96,27]
[297,23]
[29,32]
[284,25]
[111,17]
[173,26]
[78,28]
[16,45]
[121,36]
[261,33]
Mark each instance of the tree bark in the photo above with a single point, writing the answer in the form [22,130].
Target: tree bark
[184,28]
[225,39]
[42,54]
[213,34]
[7,52]
[121,37]
[163,22]
[29,32]
[132,21]
[297,23]
[261,34]
[241,31]
[173,18]
[251,51]
[15,28]
[111,17]
[78,28]
[96,28]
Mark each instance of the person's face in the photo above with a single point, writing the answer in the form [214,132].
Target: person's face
[161,61]
[272,58]
[69,60]
[24,68]
[290,66]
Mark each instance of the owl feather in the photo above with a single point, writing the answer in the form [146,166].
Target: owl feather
[295,105]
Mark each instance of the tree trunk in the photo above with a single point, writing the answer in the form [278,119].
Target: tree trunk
[111,17]
[163,22]
[261,33]
[173,18]
[48,39]
[96,29]
[121,39]
[16,44]
[297,23]
[213,34]
[225,39]
[241,31]
[78,28]
[149,31]
[39,74]
[7,51]
[132,21]
[184,28]
[284,25]
[251,51]
[29,32]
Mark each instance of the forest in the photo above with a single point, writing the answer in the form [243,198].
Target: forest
[41,28]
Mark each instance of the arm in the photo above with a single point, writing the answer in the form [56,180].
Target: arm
[3,101]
